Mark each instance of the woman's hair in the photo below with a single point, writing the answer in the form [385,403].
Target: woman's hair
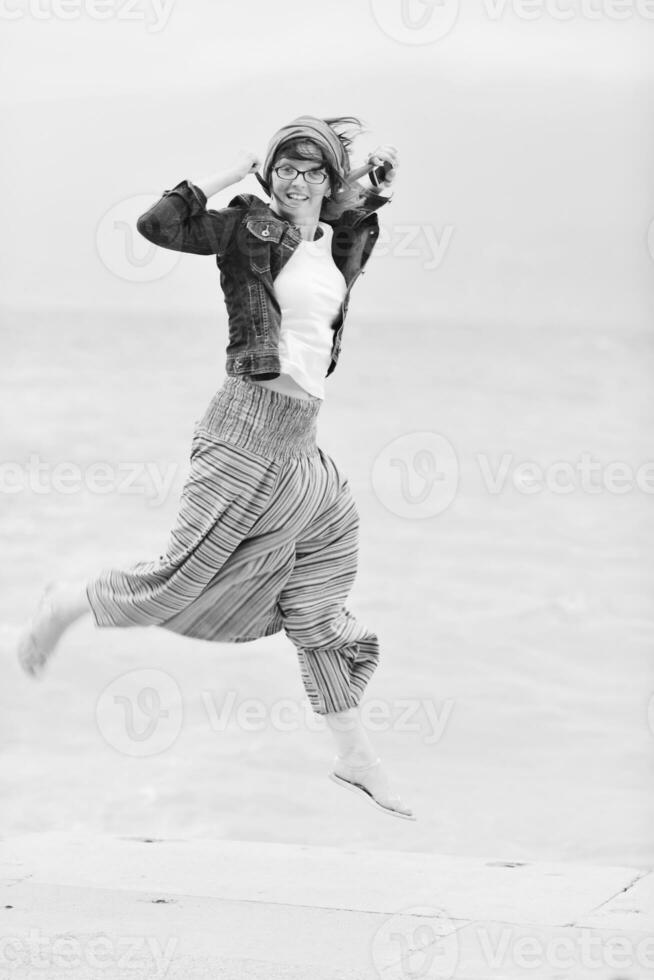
[344,195]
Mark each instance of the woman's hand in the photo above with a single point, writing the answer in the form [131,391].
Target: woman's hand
[385,154]
[246,164]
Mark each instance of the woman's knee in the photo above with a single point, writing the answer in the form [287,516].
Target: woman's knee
[336,678]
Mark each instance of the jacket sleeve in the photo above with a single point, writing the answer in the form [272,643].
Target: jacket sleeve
[373,201]
[180,221]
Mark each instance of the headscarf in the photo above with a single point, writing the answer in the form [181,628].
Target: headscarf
[317,130]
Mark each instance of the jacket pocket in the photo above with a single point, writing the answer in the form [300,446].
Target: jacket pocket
[262,233]
[260,259]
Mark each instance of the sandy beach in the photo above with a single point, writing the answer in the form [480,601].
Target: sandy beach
[513,698]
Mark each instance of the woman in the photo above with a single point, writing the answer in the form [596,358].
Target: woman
[267,533]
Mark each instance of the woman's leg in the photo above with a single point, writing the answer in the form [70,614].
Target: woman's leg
[60,605]
[337,654]
[357,761]
[352,743]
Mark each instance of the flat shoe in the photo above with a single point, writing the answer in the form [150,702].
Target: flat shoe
[363,791]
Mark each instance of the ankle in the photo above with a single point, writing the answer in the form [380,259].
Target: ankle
[71,601]
[358,758]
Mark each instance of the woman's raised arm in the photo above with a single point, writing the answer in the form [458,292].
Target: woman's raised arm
[180,220]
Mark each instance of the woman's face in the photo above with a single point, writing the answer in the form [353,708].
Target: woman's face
[298,200]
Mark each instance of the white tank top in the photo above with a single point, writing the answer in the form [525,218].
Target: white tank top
[309,289]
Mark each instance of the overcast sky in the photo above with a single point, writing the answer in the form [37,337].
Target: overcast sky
[178,45]
[525,146]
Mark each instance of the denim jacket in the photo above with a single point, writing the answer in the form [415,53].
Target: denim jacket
[252,244]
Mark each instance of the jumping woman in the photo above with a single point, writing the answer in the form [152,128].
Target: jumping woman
[266,538]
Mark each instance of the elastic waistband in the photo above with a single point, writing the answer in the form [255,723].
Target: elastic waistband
[265,421]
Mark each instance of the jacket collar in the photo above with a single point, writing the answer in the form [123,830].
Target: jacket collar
[261,211]
[256,208]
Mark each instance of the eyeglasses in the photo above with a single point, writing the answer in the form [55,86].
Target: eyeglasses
[286,172]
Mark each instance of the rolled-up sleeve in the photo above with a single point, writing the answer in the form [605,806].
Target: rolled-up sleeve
[370,203]
[374,200]
[180,221]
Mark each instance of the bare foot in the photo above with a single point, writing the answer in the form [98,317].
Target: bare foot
[38,641]
[371,782]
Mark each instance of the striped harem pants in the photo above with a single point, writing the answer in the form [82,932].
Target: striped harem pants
[266,539]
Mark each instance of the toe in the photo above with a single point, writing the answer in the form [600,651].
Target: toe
[29,656]
[396,804]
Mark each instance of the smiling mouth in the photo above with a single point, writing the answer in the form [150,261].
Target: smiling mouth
[298,197]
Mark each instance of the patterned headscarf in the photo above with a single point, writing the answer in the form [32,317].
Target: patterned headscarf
[317,130]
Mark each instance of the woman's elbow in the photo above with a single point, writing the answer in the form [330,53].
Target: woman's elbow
[160,230]
[149,228]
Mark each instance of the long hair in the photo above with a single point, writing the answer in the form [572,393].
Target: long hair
[344,195]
